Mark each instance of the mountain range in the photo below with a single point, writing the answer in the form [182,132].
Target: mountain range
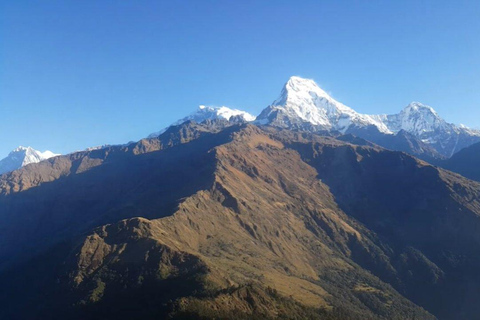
[299,213]
[224,220]
[303,105]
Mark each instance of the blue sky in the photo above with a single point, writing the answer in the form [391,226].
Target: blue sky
[75,74]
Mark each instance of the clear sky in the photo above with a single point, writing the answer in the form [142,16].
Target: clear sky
[75,74]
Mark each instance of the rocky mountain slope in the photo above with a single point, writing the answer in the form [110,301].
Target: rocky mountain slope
[465,162]
[22,156]
[223,220]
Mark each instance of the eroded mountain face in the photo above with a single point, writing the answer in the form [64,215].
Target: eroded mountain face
[221,220]
[55,199]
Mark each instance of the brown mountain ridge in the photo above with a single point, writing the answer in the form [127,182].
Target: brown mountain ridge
[237,221]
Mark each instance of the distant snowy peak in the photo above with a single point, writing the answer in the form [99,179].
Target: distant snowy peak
[211,113]
[420,120]
[298,90]
[424,123]
[303,105]
[29,155]
[417,119]
[22,156]
[204,112]
[302,100]
[418,107]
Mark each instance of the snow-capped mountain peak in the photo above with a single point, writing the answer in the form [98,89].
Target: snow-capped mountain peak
[210,113]
[417,118]
[207,112]
[302,100]
[425,116]
[424,123]
[419,107]
[303,105]
[297,87]
[22,156]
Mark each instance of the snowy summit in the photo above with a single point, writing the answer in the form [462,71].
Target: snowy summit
[304,105]
[302,100]
[22,156]
[210,113]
